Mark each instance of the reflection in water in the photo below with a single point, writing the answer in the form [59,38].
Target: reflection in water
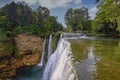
[97,59]
[86,67]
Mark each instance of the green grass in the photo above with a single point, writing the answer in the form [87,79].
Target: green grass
[101,34]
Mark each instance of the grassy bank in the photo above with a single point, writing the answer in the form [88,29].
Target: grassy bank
[101,34]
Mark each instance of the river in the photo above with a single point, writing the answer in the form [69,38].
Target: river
[97,58]
[93,58]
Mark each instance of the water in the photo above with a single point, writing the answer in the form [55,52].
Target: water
[85,58]
[42,62]
[73,35]
[33,72]
[97,59]
[59,66]
[86,67]
[29,73]
[50,46]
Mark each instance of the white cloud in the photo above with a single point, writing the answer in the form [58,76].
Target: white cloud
[77,1]
[50,4]
[54,3]
[92,12]
[30,2]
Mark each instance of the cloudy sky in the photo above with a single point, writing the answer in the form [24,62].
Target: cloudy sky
[59,7]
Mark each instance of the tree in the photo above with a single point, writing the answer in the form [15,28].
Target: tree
[76,19]
[5,24]
[108,16]
[10,12]
[42,15]
[20,18]
[24,14]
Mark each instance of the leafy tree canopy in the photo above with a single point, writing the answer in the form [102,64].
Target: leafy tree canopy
[20,18]
[108,17]
[77,19]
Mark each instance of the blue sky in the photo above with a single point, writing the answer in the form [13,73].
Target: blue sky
[59,7]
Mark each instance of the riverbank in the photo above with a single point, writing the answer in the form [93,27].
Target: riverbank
[102,34]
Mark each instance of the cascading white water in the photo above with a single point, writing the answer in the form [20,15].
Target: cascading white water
[59,66]
[50,46]
[43,54]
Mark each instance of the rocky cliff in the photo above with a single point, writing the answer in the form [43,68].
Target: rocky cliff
[26,52]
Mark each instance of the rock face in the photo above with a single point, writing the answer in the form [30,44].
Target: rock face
[27,44]
[28,50]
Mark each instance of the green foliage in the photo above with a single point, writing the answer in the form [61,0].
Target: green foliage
[55,40]
[18,18]
[35,50]
[5,24]
[107,19]
[9,49]
[77,19]
[3,36]
[17,55]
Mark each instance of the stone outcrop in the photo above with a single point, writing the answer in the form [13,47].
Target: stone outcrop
[27,44]
[28,51]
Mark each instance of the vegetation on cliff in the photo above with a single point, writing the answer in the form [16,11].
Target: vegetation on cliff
[20,18]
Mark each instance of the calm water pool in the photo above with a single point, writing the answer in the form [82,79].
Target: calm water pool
[97,59]
[29,73]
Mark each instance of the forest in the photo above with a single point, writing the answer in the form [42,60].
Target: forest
[107,20]
[16,18]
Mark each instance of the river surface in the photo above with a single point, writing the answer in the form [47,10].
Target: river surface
[94,59]
[97,58]
[29,73]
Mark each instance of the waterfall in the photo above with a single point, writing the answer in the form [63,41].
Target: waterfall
[74,35]
[59,65]
[43,54]
[50,46]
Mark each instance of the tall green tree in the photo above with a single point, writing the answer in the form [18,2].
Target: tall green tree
[20,18]
[24,14]
[76,19]
[107,19]
[42,15]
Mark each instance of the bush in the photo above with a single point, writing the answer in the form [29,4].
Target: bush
[55,40]
[3,36]
[8,49]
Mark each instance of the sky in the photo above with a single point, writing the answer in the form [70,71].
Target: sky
[58,8]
